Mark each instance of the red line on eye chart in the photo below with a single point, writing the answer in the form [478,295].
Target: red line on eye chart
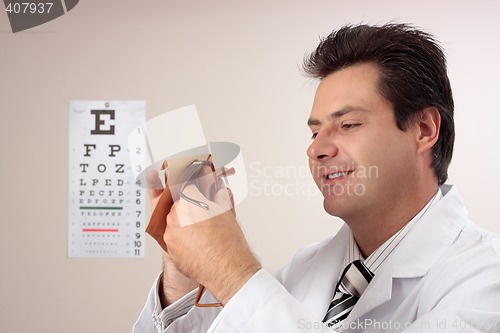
[99,230]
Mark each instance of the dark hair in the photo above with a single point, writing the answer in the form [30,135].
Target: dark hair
[413,75]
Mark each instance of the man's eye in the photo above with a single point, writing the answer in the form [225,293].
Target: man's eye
[350,125]
[314,135]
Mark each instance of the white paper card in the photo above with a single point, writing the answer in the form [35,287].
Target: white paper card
[107,214]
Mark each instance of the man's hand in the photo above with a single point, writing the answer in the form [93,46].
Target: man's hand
[208,245]
[173,285]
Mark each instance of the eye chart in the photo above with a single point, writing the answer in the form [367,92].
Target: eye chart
[107,214]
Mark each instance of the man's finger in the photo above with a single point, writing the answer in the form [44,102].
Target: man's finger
[224,196]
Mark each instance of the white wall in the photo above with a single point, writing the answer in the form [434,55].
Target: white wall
[239,62]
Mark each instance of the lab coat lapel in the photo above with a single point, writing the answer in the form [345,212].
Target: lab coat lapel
[377,293]
[320,277]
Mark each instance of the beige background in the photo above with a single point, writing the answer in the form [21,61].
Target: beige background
[239,62]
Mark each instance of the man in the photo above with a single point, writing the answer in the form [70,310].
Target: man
[407,259]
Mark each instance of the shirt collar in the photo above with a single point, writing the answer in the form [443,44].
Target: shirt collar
[378,256]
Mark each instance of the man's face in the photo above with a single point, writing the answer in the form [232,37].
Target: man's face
[359,158]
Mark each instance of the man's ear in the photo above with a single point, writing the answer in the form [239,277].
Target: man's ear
[429,123]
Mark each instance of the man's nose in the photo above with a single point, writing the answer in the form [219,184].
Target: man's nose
[323,147]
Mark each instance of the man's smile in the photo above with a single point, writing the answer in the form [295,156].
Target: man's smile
[338,174]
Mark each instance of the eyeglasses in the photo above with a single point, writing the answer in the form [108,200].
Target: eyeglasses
[201,290]
[191,175]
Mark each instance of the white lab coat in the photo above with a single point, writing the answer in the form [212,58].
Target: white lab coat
[443,277]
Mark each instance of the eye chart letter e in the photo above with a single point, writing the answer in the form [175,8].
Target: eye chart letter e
[106,208]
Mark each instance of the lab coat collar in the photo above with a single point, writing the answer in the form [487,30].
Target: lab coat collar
[418,251]
[433,234]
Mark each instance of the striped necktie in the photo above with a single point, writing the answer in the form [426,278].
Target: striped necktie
[352,284]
